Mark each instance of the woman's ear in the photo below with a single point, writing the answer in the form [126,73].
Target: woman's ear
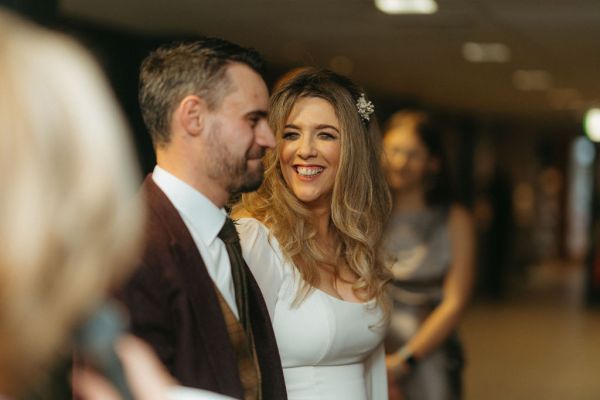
[191,114]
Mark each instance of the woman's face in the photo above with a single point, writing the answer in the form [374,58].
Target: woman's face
[309,152]
[407,161]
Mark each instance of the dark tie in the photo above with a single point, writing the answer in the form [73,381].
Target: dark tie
[231,239]
[247,362]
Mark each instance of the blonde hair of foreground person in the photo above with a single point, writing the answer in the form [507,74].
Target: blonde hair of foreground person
[70,217]
[361,201]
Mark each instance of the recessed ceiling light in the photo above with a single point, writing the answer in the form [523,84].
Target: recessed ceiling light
[486,52]
[407,6]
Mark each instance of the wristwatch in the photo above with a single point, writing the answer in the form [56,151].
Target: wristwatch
[411,360]
[407,356]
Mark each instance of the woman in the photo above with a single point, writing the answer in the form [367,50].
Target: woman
[312,239]
[71,220]
[429,239]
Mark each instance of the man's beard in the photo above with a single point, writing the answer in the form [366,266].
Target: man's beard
[230,170]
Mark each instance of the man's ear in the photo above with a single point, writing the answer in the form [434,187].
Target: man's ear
[191,114]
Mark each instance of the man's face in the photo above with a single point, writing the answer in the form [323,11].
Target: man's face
[237,133]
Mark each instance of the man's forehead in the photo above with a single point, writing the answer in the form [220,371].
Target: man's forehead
[246,86]
[241,73]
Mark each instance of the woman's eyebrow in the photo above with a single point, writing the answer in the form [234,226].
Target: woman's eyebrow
[326,126]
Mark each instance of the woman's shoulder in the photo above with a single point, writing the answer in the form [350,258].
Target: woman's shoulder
[250,226]
[263,256]
[459,215]
[256,236]
[460,222]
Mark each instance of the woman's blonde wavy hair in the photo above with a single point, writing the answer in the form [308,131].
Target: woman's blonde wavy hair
[70,215]
[361,200]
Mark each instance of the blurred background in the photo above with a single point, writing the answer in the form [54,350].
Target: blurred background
[516,85]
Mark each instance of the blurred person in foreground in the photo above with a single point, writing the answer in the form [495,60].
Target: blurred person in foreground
[429,241]
[71,221]
[313,237]
[193,298]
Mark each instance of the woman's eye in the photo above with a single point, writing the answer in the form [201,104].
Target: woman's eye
[290,135]
[327,136]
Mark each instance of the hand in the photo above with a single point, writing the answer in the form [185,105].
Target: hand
[394,387]
[147,377]
[396,369]
[396,365]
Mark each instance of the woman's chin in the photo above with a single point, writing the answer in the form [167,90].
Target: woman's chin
[314,200]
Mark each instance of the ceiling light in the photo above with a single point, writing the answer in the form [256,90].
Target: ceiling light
[591,123]
[532,79]
[486,52]
[407,6]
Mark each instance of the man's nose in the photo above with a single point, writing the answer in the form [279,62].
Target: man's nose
[265,136]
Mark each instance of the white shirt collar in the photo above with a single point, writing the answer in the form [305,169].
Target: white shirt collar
[204,216]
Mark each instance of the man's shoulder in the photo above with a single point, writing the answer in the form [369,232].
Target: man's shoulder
[168,244]
[163,226]
[162,218]
[154,198]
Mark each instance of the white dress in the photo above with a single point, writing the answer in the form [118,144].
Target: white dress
[330,348]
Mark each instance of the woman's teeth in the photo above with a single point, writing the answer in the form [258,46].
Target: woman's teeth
[309,171]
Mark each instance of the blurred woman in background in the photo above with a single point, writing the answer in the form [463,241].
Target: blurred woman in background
[429,242]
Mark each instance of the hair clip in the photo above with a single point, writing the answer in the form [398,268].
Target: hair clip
[365,107]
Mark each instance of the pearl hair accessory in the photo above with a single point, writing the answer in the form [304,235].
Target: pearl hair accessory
[365,107]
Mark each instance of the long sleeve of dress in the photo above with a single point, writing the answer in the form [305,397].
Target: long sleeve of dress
[262,258]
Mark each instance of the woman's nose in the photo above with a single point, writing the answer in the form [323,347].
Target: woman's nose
[307,148]
[398,161]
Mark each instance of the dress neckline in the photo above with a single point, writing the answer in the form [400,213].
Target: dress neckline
[342,300]
[277,249]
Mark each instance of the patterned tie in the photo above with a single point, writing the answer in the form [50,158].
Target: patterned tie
[230,237]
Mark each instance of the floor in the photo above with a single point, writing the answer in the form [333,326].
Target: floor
[541,344]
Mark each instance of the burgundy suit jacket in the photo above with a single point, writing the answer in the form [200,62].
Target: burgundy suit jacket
[173,306]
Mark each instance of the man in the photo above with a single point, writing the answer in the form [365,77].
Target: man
[193,298]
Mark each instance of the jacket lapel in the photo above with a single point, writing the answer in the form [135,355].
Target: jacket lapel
[265,342]
[199,287]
